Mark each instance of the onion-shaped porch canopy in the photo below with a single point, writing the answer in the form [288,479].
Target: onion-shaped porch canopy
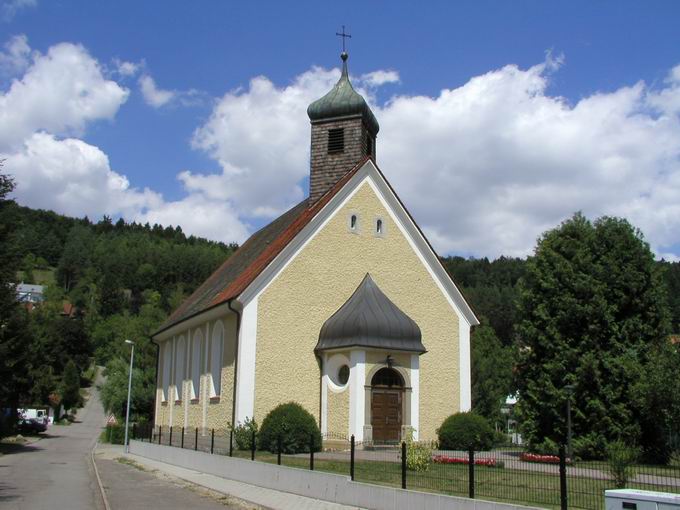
[369,319]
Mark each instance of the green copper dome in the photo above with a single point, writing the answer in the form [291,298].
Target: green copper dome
[343,101]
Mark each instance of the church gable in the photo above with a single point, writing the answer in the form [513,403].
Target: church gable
[385,214]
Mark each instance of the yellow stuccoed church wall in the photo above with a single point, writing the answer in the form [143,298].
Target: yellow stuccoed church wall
[218,413]
[319,280]
[338,413]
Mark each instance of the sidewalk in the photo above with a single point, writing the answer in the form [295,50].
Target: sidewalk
[267,498]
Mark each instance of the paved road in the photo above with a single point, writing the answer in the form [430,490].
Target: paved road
[131,488]
[55,472]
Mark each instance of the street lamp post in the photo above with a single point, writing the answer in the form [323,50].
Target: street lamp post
[127,413]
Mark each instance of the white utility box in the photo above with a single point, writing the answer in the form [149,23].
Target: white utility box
[634,499]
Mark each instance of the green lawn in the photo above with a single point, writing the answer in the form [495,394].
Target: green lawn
[498,484]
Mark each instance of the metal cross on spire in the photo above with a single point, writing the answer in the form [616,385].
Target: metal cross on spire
[344,36]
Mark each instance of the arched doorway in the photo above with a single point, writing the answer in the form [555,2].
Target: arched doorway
[387,393]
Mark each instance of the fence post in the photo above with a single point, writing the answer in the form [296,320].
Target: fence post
[231,443]
[471,473]
[252,445]
[403,464]
[212,442]
[182,441]
[278,450]
[170,443]
[351,459]
[196,440]
[311,451]
[160,430]
[563,479]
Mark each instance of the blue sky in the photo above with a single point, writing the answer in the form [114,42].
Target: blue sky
[489,58]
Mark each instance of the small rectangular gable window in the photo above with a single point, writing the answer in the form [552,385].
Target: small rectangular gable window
[336,141]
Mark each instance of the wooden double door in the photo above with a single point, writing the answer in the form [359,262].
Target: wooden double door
[386,414]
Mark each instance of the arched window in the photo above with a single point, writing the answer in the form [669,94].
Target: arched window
[387,377]
[167,364]
[180,367]
[379,226]
[353,222]
[196,348]
[216,354]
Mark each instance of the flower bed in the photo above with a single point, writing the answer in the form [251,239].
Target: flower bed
[442,459]
[543,459]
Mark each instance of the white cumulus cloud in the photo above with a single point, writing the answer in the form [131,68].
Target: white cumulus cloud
[378,78]
[56,98]
[60,92]
[485,168]
[74,178]
[152,94]
[9,8]
[16,57]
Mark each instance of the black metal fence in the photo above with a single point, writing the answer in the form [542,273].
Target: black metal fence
[508,474]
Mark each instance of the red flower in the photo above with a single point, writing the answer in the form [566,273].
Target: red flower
[442,459]
[534,457]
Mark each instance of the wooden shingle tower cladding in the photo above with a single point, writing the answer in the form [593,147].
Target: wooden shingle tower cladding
[344,131]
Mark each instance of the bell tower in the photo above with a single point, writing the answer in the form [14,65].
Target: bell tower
[344,131]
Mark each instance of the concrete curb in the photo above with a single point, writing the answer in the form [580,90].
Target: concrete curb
[99,480]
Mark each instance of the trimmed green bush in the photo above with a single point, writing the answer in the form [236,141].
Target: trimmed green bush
[295,427]
[462,431]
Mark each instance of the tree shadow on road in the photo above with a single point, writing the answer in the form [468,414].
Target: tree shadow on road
[4,496]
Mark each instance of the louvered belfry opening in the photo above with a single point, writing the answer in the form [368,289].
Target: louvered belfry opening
[344,131]
[336,140]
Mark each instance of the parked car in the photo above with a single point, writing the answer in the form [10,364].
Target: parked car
[32,425]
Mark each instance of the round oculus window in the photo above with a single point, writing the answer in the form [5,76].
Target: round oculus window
[343,374]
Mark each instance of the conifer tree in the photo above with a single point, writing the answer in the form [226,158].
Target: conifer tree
[592,313]
[70,386]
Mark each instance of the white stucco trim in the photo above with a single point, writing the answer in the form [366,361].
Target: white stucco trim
[245,379]
[172,393]
[193,322]
[415,395]
[464,367]
[324,396]
[357,381]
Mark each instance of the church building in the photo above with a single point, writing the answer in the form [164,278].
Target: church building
[340,305]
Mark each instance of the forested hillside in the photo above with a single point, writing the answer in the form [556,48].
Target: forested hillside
[106,282]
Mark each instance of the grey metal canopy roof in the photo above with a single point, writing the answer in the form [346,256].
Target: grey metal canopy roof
[369,319]
[343,101]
